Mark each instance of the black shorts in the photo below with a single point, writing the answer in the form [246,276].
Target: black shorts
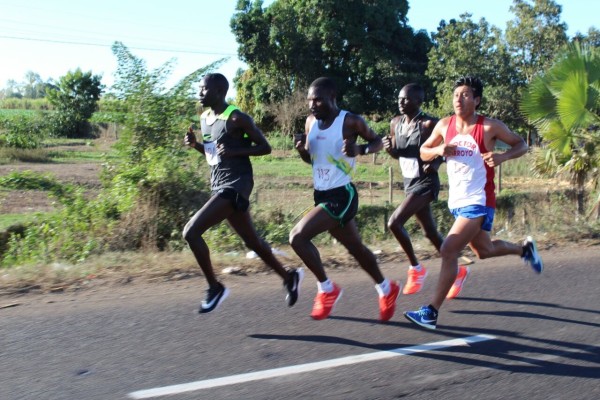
[238,201]
[340,203]
[430,183]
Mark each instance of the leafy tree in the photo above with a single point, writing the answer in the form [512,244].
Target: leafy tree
[75,99]
[155,115]
[154,184]
[12,90]
[148,194]
[592,38]
[564,105]
[365,46]
[34,86]
[535,36]
[464,47]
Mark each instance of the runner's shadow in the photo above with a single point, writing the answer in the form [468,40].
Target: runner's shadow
[330,340]
[365,320]
[524,358]
[527,303]
[523,314]
[508,356]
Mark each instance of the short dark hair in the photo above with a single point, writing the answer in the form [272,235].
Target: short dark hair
[416,89]
[219,80]
[473,82]
[325,83]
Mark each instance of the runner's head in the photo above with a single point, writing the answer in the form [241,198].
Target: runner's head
[213,89]
[410,98]
[467,96]
[321,98]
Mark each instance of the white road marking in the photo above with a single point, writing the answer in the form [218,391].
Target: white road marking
[297,369]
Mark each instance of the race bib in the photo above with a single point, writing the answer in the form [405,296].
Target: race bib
[409,167]
[210,151]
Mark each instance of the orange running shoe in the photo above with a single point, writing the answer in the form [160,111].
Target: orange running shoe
[387,304]
[415,281]
[461,277]
[324,303]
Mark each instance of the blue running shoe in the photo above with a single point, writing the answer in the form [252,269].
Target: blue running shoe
[531,255]
[425,317]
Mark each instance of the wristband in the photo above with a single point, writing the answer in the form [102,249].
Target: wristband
[366,149]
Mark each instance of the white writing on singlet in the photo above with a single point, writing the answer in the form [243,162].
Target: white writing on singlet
[210,151]
[409,167]
[466,173]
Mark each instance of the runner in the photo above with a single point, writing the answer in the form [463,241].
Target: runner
[329,144]
[230,137]
[467,140]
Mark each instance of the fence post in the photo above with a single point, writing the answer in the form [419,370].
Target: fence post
[391,185]
[499,178]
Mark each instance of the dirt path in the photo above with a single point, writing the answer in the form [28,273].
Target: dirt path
[26,201]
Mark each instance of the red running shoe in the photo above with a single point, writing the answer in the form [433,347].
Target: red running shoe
[461,277]
[415,281]
[324,303]
[387,304]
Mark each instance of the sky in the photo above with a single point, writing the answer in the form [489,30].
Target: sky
[54,37]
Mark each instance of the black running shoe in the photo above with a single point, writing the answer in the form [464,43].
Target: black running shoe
[293,286]
[214,297]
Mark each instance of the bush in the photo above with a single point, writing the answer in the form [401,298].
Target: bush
[23,130]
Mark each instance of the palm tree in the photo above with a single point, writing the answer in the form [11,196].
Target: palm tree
[564,105]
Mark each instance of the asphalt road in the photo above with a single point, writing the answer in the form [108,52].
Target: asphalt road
[511,334]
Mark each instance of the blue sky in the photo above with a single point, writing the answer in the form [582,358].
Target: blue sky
[54,37]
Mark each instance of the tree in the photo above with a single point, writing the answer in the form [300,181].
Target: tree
[564,105]
[535,36]
[592,38]
[365,46]
[11,90]
[153,180]
[464,47]
[34,87]
[290,114]
[75,98]
[155,115]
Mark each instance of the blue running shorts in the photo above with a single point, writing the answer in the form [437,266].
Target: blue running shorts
[472,212]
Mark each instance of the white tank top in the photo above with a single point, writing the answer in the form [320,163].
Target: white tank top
[465,173]
[331,167]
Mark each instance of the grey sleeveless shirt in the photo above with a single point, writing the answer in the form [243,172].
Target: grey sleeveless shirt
[408,145]
[230,172]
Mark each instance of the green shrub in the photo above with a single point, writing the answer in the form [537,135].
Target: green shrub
[23,130]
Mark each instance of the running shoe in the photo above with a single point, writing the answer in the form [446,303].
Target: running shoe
[293,286]
[425,317]
[324,303]
[461,277]
[415,281]
[531,255]
[387,304]
[214,297]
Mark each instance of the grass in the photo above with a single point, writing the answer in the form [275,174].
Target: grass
[277,189]
[9,155]
[8,220]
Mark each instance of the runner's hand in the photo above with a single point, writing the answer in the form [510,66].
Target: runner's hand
[190,137]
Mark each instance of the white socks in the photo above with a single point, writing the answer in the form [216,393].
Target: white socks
[326,287]
[383,288]
[417,267]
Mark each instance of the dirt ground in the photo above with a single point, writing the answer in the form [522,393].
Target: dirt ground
[26,201]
